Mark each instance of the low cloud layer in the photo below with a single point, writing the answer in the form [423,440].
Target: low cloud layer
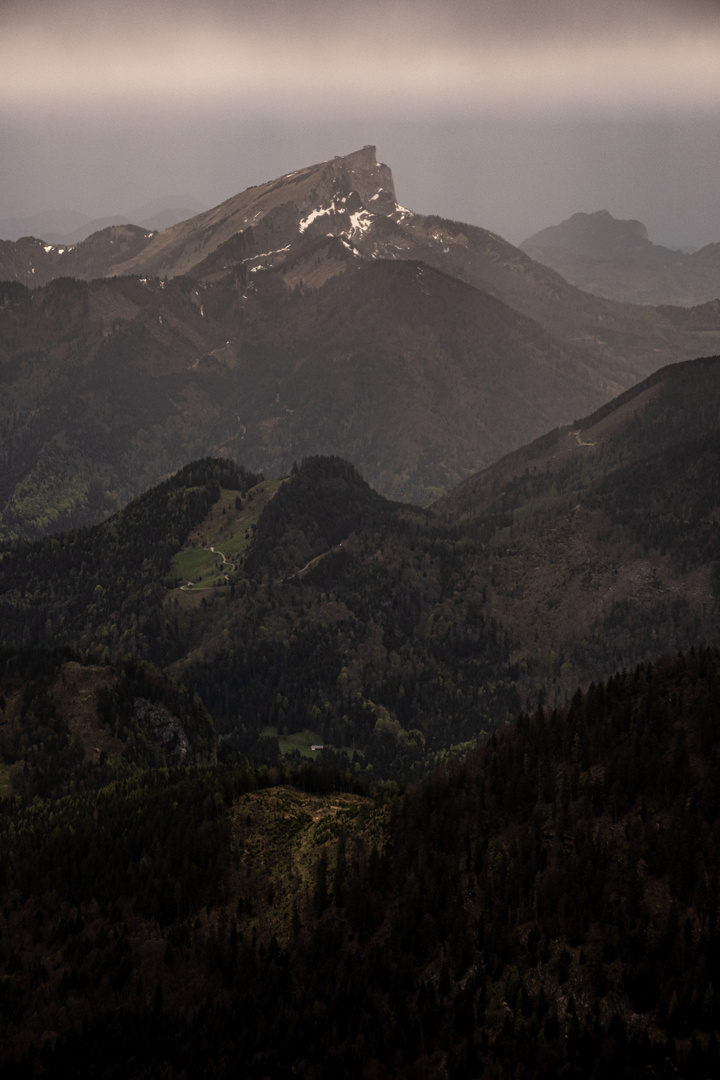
[329,56]
[508,113]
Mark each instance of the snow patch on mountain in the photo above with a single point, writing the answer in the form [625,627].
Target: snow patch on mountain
[361,221]
[400,214]
[314,215]
[266,254]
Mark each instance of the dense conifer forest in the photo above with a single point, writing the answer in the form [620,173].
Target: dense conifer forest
[546,906]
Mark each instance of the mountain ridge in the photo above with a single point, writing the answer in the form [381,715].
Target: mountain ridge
[387,629]
[353,197]
[616,259]
[268,370]
[65,226]
[319,316]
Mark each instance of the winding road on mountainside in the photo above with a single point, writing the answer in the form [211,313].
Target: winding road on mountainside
[313,562]
[190,587]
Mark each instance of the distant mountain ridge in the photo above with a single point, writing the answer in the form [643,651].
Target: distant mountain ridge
[66,226]
[309,315]
[616,259]
[352,198]
[595,235]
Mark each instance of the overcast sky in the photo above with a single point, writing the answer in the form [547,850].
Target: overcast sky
[511,114]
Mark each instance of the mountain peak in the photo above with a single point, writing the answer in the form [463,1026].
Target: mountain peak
[342,197]
[597,235]
[346,196]
[372,180]
[365,158]
[616,259]
[341,192]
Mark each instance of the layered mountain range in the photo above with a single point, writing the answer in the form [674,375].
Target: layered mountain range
[315,605]
[312,314]
[543,904]
[66,227]
[617,259]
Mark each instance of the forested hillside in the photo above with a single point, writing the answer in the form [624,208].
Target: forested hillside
[69,722]
[342,616]
[209,705]
[314,612]
[547,905]
[103,587]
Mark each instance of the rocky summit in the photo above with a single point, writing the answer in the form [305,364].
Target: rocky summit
[341,197]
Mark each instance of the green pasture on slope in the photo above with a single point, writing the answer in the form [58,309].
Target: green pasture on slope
[298,740]
[302,741]
[228,528]
[202,568]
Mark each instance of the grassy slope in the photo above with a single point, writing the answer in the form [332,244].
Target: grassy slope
[228,528]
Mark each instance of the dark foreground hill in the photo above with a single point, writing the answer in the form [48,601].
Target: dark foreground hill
[546,907]
[315,612]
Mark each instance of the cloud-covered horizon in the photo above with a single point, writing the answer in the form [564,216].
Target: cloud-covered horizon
[508,113]
[331,55]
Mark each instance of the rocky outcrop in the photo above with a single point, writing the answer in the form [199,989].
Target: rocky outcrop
[166,730]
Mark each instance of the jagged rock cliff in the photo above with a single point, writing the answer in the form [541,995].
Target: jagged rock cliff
[166,730]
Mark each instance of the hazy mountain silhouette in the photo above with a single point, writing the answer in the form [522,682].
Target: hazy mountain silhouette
[616,259]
